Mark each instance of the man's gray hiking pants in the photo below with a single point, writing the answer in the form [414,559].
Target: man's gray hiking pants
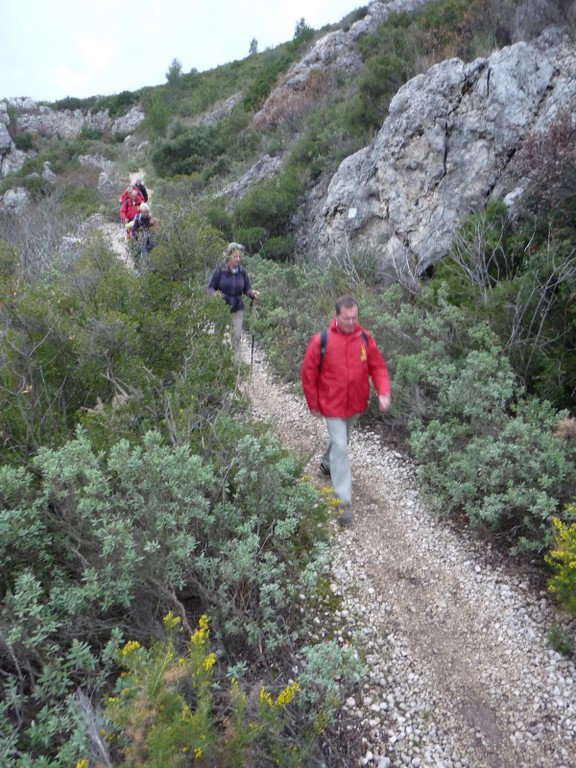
[336,457]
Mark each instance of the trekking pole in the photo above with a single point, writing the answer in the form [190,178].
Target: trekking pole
[252,326]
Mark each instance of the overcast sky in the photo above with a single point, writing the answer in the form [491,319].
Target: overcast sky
[51,50]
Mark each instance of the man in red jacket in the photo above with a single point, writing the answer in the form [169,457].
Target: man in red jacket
[336,383]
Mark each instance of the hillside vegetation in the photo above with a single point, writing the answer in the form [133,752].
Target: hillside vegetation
[162,558]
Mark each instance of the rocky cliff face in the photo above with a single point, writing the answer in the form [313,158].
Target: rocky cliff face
[443,152]
[34,118]
[446,146]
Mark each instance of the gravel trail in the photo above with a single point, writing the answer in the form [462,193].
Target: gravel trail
[460,670]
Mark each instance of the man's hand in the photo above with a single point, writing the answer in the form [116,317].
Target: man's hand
[384,402]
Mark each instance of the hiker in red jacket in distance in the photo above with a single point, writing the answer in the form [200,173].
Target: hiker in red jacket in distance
[131,206]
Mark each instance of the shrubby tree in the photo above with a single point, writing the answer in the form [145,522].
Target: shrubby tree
[174,72]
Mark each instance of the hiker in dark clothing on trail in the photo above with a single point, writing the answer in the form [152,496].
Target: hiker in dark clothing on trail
[336,385]
[232,282]
[140,229]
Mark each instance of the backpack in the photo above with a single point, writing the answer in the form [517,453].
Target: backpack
[324,344]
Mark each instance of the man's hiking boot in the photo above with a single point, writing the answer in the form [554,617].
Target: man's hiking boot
[324,469]
[347,516]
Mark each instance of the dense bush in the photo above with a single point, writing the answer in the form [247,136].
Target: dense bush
[523,289]
[24,142]
[262,85]
[562,560]
[270,205]
[98,543]
[119,104]
[187,152]
[170,703]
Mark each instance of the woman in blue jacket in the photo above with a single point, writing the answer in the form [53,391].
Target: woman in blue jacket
[231,281]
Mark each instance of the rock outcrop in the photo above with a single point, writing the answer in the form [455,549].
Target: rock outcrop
[42,121]
[442,152]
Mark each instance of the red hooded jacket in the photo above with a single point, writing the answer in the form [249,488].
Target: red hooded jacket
[340,387]
[128,207]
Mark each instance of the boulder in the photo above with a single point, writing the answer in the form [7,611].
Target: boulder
[15,198]
[440,154]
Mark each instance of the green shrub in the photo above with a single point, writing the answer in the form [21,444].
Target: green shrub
[118,104]
[95,541]
[260,88]
[270,205]
[79,202]
[187,152]
[279,248]
[157,112]
[24,142]
[36,186]
[324,143]
[486,451]
[170,703]
[91,134]
[561,641]
[522,292]
[72,103]
[221,220]
[380,80]
[253,238]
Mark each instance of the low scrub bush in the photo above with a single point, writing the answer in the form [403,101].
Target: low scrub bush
[24,142]
[172,706]
[270,205]
[188,152]
[562,560]
[95,543]
[485,450]
[263,83]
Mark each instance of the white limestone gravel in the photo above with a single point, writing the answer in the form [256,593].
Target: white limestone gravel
[460,672]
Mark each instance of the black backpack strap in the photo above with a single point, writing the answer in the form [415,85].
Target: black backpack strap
[323,345]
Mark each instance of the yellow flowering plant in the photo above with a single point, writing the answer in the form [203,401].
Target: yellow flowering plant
[562,559]
[156,722]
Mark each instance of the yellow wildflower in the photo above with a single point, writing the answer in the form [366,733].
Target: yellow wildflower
[265,697]
[287,695]
[209,661]
[130,647]
[200,636]
[171,622]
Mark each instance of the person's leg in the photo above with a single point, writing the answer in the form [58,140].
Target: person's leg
[339,462]
[237,324]
[325,460]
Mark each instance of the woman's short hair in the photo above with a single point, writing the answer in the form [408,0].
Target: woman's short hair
[233,247]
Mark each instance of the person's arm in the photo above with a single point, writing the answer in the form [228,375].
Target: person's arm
[214,282]
[310,374]
[378,371]
[248,290]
